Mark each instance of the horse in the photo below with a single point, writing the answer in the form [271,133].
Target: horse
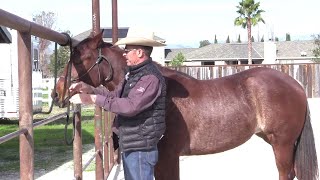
[212,116]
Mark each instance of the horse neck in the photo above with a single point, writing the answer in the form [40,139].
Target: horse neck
[118,63]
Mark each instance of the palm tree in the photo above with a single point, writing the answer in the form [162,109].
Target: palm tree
[249,15]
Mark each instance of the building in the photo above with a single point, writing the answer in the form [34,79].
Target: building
[9,79]
[284,52]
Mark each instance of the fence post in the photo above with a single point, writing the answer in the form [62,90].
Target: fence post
[98,135]
[77,144]
[25,104]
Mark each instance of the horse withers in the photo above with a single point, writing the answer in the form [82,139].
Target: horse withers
[212,116]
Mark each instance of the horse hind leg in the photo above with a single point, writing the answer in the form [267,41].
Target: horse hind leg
[284,156]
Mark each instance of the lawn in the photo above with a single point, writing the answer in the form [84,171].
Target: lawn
[50,148]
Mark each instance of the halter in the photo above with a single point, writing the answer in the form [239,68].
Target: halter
[100,58]
[68,82]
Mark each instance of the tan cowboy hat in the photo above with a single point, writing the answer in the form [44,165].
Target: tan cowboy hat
[139,36]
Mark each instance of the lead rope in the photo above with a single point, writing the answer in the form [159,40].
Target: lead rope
[67,85]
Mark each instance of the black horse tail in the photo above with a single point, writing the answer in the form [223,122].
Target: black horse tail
[306,163]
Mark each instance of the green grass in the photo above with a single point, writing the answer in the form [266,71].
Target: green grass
[49,141]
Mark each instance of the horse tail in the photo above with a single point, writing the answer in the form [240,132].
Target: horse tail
[306,163]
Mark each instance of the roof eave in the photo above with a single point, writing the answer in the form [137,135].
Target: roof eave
[5,36]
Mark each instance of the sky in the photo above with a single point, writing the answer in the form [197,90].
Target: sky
[180,22]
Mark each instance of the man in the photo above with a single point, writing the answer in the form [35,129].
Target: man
[139,103]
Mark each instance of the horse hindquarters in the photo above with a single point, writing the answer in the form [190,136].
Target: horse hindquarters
[306,163]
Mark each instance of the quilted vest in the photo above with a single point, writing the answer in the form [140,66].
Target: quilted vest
[144,130]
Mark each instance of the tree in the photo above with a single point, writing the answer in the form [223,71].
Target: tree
[215,39]
[177,60]
[276,39]
[249,15]
[62,60]
[316,50]
[46,19]
[239,39]
[204,43]
[228,39]
[252,39]
[288,38]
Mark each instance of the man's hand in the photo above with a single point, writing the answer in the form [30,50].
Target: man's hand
[81,87]
[83,99]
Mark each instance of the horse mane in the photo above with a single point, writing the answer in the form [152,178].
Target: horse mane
[170,73]
[104,45]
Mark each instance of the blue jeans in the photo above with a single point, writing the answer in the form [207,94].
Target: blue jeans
[139,165]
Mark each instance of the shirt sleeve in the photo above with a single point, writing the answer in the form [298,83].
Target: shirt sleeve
[140,97]
[101,90]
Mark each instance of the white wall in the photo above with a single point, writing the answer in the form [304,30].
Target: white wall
[158,55]
[270,51]
[192,63]
[9,104]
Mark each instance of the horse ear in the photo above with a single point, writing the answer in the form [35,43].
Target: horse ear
[96,40]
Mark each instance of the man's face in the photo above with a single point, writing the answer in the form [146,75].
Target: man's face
[133,55]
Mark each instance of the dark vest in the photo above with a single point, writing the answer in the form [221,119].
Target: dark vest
[144,130]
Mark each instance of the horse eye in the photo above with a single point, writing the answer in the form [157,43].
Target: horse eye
[76,60]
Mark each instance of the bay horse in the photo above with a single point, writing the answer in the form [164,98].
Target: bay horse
[212,116]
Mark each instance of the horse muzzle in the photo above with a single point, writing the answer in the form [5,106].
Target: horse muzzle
[58,101]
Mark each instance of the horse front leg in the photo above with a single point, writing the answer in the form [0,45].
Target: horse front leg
[167,167]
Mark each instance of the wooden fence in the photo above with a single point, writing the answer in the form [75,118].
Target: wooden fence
[307,74]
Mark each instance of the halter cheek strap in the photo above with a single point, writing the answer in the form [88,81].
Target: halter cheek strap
[100,58]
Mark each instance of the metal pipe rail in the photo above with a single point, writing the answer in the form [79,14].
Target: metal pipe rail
[90,160]
[15,22]
[14,134]
[50,119]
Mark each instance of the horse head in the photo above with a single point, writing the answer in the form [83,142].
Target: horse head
[94,62]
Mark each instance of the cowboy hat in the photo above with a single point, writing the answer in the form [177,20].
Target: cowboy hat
[141,37]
